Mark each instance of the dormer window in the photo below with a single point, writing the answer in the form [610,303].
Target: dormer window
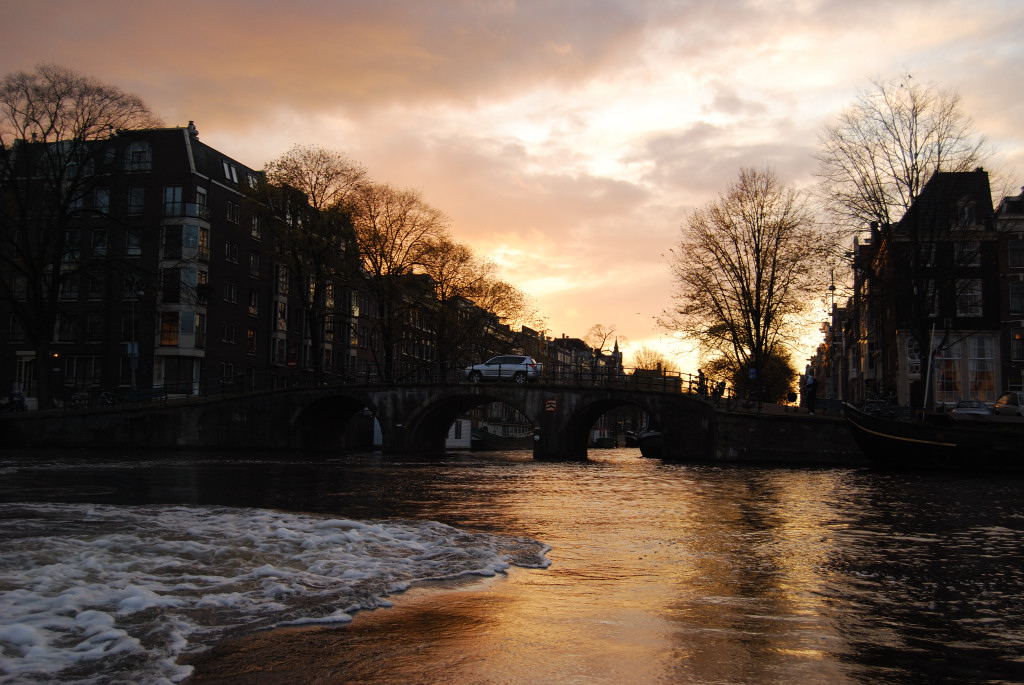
[230,172]
[138,157]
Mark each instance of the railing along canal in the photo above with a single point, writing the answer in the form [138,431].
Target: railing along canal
[552,375]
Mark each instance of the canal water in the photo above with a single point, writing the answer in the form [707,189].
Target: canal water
[122,567]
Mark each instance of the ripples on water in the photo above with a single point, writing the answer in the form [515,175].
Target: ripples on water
[658,573]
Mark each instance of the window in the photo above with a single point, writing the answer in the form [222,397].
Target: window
[1017,344]
[138,157]
[230,172]
[72,247]
[94,328]
[230,292]
[101,200]
[254,263]
[99,243]
[204,243]
[947,374]
[254,302]
[965,213]
[171,286]
[200,330]
[968,298]
[202,287]
[1017,254]
[173,205]
[227,332]
[282,279]
[65,328]
[97,285]
[202,202]
[981,368]
[968,253]
[136,199]
[1017,297]
[169,329]
[281,320]
[227,372]
[133,242]
[129,327]
[172,242]
[233,212]
[257,228]
[69,286]
[82,371]
[19,287]
[231,252]
[250,341]
[253,182]
[190,236]
[17,330]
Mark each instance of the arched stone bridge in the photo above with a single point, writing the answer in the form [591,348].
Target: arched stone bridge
[413,418]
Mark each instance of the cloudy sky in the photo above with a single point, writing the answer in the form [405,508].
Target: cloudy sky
[566,139]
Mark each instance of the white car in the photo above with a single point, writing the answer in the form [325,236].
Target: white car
[507,367]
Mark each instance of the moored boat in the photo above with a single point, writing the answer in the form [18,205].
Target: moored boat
[650,443]
[939,441]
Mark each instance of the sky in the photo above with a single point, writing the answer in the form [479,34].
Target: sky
[567,140]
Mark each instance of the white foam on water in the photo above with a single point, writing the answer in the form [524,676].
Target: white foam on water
[92,594]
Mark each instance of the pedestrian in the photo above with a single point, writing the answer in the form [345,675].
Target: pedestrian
[810,393]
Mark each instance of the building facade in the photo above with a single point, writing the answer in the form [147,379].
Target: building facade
[926,325]
[169,281]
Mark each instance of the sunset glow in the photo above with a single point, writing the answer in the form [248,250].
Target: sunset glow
[566,140]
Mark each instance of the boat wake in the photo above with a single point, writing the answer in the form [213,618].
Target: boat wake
[92,593]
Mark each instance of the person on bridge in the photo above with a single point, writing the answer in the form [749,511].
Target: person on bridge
[810,393]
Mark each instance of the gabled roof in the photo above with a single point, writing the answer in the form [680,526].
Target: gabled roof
[942,202]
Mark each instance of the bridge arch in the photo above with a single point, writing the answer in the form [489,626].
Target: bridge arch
[427,425]
[323,420]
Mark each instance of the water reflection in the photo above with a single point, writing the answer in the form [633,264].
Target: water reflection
[659,573]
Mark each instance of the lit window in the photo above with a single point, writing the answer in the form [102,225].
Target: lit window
[169,329]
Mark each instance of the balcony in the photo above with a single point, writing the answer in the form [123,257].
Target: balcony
[186,209]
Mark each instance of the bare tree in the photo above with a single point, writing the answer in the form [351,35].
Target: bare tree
[599,336]
[309,196]
[874,161]
[650,359]
[57,145]
[470,299]
[901,139]
[746,266]
[395,230]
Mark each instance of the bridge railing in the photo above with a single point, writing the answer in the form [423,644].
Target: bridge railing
[579,375]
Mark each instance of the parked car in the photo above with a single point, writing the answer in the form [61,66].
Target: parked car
[964,407]
[1010,404]
[507,367]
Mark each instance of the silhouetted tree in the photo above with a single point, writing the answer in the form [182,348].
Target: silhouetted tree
[308,196]
[57,147]
[395,231]
[746,266]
